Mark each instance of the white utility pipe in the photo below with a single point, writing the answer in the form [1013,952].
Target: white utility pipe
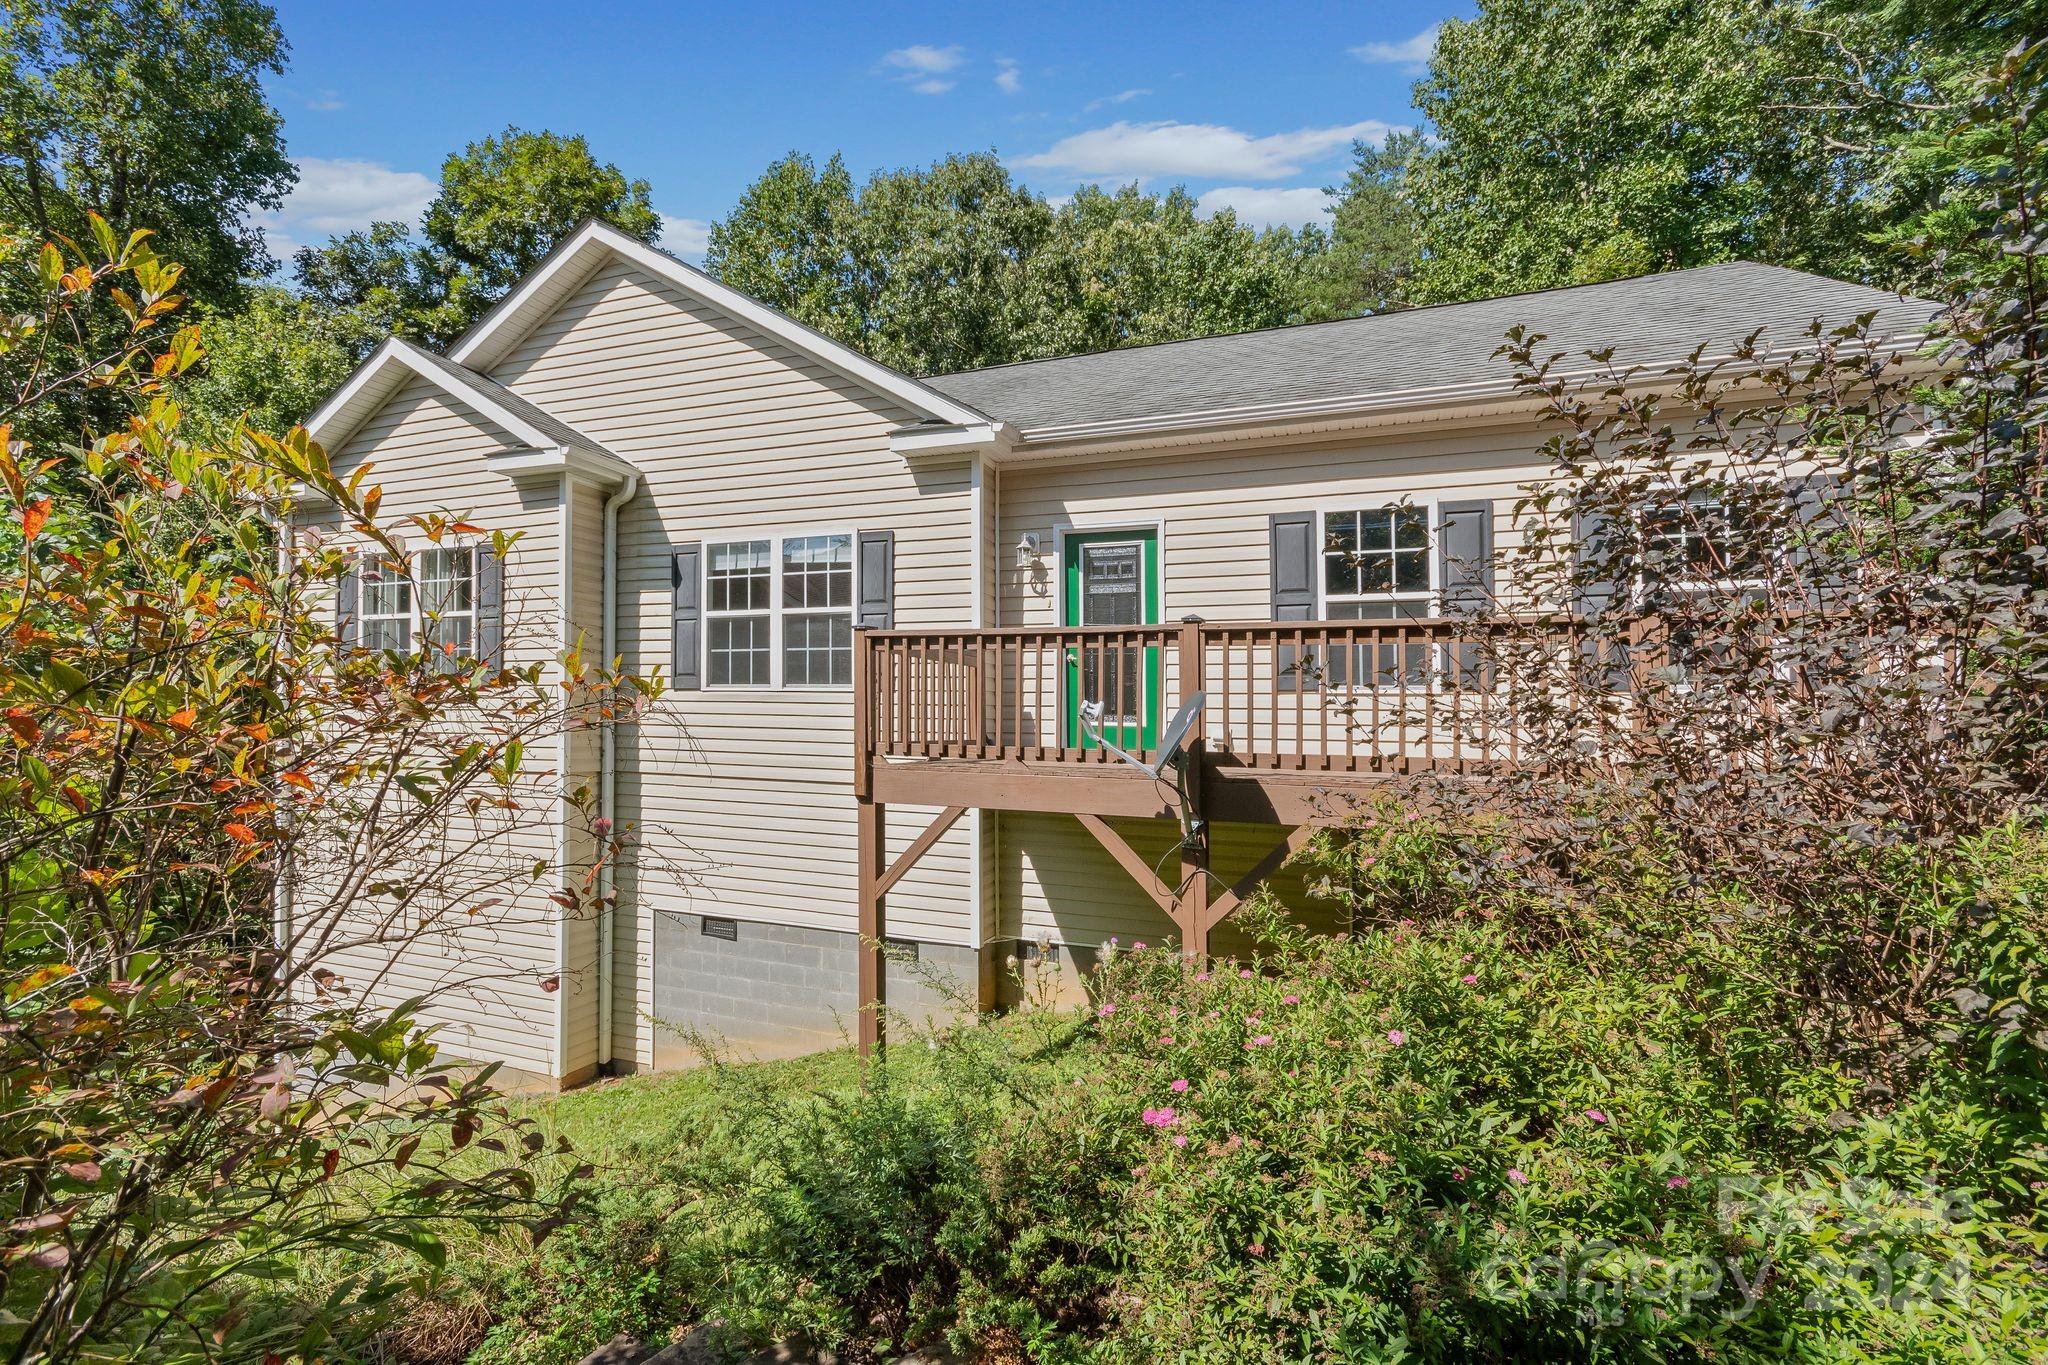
[607,774]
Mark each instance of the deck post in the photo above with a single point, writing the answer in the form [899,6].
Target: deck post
[1193,897]
[872,973]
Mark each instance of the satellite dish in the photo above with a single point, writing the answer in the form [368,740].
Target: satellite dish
[1175,737]
[1170,742]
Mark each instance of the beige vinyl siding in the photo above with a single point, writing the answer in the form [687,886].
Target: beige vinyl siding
[1215,506]
[429,455]
[1212,507]
[742,798]
[1057,881]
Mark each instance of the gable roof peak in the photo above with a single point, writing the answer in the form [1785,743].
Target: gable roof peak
[585,250]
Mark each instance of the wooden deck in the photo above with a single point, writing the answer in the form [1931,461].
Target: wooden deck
[1297,715]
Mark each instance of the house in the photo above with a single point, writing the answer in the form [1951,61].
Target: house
[881,603]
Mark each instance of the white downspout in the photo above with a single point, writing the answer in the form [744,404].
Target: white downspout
[607,774]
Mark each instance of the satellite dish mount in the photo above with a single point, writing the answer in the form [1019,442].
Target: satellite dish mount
[1171,754]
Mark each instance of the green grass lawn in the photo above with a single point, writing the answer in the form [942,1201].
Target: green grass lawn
[608,1120]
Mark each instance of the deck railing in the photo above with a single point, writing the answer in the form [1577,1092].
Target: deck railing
[1322,696]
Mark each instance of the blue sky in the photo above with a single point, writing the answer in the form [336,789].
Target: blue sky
[1251,106]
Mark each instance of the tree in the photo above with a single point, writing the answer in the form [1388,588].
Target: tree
[1375,234]
[1861,684]
[788,242]
[272,362]
[147,113]
[1132,268]
[1582,140]
[504,204]
[955,265]
[209,806]
[939,256]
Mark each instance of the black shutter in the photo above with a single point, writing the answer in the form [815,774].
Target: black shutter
[875,569]
[686,615]
[490,608]
[1592,592]
[1464,548]
[1295,556]
[1815,499]
[348,592]
[1595,586]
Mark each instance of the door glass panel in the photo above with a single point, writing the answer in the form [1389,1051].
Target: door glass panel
[1113,594]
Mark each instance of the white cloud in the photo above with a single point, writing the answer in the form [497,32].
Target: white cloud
[1007,79]
[685,236]
[1206,151]
[1265,206]
[342,194]
[926,58]
[924,67]
[1410,54]
[1120,97]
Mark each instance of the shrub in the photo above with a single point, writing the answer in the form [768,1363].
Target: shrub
[1445,1139]
[616,1270]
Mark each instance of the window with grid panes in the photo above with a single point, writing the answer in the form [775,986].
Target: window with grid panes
[384,606]
[1711,541]
[1378,565]
[447,584]
[739,613]
[817,611]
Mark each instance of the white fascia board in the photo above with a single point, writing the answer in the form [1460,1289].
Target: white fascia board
[492,337]
[600,467]
[955,439]
[333,423]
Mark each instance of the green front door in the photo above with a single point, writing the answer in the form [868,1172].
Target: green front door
[1112,579]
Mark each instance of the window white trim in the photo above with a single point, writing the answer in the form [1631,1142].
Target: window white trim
[1678,498]
[448,614]
[1432,522]
[777,614]
[405,576]
[1431,600]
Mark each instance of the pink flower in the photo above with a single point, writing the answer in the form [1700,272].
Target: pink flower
[1466,958]
[1290,1000]
[1246,973]
[1160,1118]
[1256,1248]
[1596,1116]
[1180,1139]
[1469,979]
[1460,1173]
[1676,1182]
[1215,1014]
[1179,1087]
[1251,1021]
[1263,1040]
[1201,976]
[1166,1040]
[1173,1011]
[1396,1037]
[1515,1174]
[1106,1010]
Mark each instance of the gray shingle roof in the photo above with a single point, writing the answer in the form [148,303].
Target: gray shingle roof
[1652,320]
[541,420]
